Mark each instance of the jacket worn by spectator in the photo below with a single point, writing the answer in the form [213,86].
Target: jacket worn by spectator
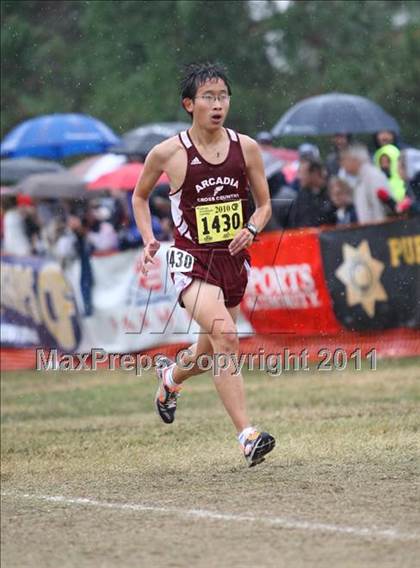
[311,209]
[386,158]
[369,208]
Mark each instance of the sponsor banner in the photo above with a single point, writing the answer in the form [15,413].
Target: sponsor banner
[373,274]
[287,292]
[132,311]
[38,305]
[301,283]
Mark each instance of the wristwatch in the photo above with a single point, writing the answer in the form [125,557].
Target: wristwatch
[252,229]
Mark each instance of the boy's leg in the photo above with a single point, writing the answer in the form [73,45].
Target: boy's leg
[202,347]
[183,372]
[205,304]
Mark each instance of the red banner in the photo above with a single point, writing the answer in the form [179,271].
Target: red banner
[287,292]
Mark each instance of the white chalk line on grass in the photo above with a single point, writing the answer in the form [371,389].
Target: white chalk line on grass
[282,522]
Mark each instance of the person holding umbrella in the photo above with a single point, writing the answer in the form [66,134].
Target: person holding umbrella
[340,141]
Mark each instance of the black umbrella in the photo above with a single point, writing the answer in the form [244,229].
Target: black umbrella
[15,170]
[59,186]
[141,140]
[334,113]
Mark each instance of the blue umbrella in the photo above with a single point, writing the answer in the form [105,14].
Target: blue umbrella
[334,113]
[57,136]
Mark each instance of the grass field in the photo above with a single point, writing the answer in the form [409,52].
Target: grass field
[91,477]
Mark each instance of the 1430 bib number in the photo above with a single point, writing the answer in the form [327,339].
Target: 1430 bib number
[219,221]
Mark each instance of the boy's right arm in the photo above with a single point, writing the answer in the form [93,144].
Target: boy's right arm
[153,168]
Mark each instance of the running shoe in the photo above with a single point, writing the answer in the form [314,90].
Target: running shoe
[166,397]
[256,446]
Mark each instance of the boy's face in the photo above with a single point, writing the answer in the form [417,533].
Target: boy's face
[307,179]
[339,196]
[210,105]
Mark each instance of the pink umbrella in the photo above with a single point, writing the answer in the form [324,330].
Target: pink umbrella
[288,157]
[91,168]
[6,190]
[81,167]
[284,154]
[124,177]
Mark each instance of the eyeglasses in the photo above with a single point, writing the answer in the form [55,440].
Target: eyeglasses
[211,99]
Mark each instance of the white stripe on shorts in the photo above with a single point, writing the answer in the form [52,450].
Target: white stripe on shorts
[181,281]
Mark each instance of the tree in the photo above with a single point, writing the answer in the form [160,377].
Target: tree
[37,65]
[367,48]
[120,61]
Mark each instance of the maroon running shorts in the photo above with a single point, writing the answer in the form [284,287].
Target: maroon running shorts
[217,267]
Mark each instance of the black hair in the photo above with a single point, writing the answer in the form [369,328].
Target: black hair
[196,74]
[395,140]
[314,164]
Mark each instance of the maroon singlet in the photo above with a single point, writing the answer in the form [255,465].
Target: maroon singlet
[208,210]
[207,184]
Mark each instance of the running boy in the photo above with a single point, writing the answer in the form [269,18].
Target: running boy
[210,169]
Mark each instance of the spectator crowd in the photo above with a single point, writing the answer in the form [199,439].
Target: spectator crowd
[349,186]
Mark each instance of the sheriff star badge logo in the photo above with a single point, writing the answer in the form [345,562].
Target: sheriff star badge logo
[361,274]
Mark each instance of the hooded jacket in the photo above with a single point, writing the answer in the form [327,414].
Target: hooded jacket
[395,181]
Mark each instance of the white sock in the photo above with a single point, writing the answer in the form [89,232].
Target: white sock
[169,380]
[245,433]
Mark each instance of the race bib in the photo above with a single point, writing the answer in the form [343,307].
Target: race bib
[179,260]
[218,221]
